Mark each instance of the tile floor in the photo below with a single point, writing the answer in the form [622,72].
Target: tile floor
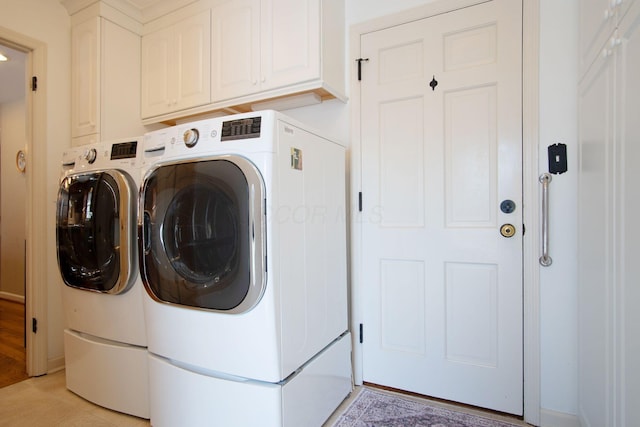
[45,401]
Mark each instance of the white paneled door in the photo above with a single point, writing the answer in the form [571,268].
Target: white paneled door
[441,129]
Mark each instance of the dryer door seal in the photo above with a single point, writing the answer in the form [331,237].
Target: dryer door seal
[202,234]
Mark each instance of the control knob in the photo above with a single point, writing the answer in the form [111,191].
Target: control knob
[90,155]
[190,137]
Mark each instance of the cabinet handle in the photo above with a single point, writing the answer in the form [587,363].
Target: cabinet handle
[615,41]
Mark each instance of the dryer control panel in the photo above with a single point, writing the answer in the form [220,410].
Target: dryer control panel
[241,129]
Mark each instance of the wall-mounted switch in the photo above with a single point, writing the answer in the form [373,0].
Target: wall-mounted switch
[557,158]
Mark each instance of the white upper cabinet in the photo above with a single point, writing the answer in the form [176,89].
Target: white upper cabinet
[257,50]
[264,44]
[105,76]
[176,66]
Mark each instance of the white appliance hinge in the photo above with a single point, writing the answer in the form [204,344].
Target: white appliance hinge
[360,201]
[361,333]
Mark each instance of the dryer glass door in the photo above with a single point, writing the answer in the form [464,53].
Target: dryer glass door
[203,234]
[95,231]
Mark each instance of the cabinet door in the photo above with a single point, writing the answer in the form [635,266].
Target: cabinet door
[235,49]
[120,83]
[176,66]
[628,138]
[85,78]
[193,57]
[597,21]
[290,48]
[157,73]
[623,7]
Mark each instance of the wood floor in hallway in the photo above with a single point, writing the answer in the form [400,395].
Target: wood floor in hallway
[12,347]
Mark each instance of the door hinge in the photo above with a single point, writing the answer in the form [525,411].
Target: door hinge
[359,61]
[34,325]
[360,201]
[524,230]
[34,83]
[361,333]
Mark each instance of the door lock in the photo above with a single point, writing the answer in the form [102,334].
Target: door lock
[508,206]
[507,230]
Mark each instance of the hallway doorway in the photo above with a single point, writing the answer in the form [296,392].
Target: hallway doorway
[13,193]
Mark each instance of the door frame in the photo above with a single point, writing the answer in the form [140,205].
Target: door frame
[37,200]
[530,188]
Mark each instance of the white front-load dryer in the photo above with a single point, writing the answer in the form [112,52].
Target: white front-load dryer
[96,219]
[243,255]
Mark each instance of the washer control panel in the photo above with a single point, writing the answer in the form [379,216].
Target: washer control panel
[124,150]
[241,129]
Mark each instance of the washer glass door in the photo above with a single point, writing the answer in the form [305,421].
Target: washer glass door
[202,234]
[95,231]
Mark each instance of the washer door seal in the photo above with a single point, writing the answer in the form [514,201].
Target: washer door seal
[95,231]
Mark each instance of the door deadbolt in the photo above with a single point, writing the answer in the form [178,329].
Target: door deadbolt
[508,206]
[507,230]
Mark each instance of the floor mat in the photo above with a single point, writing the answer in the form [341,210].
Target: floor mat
[372,408]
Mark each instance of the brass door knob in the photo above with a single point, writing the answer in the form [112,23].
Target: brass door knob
[507,230]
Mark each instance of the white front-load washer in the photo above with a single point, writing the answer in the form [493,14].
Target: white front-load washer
[243,255]
[105,340]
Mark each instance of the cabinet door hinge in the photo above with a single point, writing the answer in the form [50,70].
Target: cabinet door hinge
[34,325]
[359,61]
[360,201]
[34,83]
[361,333]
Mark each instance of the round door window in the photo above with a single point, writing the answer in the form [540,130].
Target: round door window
[201,234]
[92,250]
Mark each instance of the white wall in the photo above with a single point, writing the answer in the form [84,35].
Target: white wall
[12,194]
[47,21]
[558,283]
[558,123]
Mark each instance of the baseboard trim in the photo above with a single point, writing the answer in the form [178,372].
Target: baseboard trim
[549,418]
[55,365]
[12,297]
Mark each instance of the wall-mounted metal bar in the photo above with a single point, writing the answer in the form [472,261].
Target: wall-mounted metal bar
[545,259]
